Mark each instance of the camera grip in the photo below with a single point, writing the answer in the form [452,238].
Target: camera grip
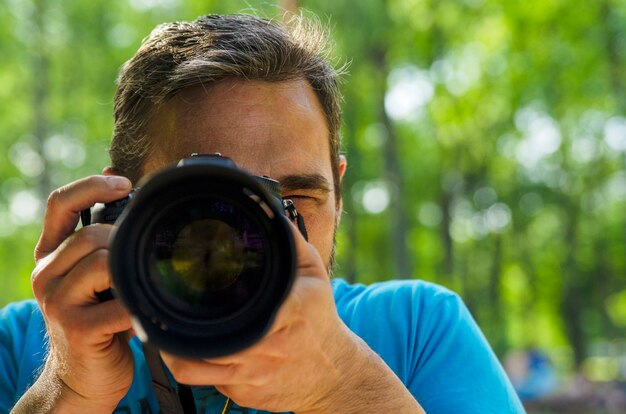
[104,213]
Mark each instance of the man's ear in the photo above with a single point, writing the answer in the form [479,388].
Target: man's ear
[343,164]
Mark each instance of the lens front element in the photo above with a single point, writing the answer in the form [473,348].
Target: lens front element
[207,258]
[208,255]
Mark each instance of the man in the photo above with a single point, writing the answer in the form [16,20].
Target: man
[261,94]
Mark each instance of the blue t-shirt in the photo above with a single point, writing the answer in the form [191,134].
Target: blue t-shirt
[422,331]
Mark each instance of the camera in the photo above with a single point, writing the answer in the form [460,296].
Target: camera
[202,255]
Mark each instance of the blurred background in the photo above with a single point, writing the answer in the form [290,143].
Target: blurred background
[487,152]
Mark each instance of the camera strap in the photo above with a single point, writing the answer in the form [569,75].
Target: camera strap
[294,216]
[175,401]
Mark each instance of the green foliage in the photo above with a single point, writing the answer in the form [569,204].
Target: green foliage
[486,143]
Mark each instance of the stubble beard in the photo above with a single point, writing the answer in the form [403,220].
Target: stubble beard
[330,268]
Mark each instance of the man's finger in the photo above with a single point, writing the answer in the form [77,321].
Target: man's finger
[273,345]
[95,324]
[71,251]
[197,372]
[110,317]
[309,261]
[65,204]
[90,275]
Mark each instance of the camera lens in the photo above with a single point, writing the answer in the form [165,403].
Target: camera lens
[206,258]
[203,257]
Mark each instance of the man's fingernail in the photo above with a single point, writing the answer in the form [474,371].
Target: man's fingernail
[119,183]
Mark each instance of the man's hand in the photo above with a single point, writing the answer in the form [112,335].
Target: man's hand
[309,362]
[89,366]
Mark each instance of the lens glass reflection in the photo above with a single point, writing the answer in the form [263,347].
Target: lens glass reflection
[208,258]
[208,255]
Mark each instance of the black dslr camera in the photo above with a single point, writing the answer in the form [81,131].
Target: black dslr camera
[202,256]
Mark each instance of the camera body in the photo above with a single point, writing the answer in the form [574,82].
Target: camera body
[202,255]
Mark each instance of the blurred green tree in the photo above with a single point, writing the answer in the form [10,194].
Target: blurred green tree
[486,143]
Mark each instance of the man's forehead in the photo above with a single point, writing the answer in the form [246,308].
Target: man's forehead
[266,128]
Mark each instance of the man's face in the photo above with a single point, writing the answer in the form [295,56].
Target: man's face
[272,129]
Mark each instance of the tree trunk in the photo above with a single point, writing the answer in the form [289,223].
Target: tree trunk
[574,294]
[612,47]
[40,69]
[498,333]
[399,222]
[445,204]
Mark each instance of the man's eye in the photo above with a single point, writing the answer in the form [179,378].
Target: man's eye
[302,199]
[305,200]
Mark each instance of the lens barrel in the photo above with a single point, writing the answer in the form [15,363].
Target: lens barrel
[203,256]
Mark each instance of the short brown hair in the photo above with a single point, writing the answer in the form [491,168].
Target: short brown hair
[214,48]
